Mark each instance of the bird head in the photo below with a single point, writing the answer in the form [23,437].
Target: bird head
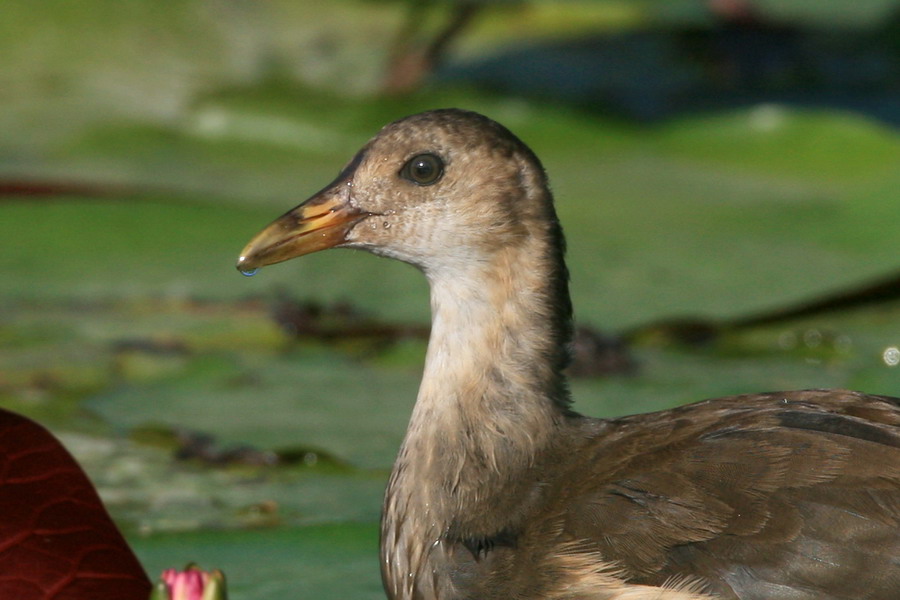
[436,190]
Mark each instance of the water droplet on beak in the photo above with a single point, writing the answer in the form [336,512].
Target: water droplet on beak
[248,272]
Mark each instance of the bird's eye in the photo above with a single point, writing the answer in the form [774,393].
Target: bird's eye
[423,169]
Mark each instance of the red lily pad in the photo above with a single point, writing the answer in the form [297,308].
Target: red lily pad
[57,542]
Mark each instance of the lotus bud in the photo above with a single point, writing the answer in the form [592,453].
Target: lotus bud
[190,584]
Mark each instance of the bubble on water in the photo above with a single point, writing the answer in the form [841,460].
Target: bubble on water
[812,338]
[891,356]
[787,340]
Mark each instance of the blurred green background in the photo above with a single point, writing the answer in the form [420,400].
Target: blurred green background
[712,162]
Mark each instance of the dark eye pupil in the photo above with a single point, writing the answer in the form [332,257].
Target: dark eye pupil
[423,169]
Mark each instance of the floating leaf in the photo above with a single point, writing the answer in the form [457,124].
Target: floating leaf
[57,541]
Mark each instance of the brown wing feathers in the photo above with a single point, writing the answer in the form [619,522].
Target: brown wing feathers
[799,484]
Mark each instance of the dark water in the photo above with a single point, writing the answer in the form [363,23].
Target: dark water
[659,73]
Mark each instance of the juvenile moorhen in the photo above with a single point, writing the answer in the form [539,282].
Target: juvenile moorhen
[502,491]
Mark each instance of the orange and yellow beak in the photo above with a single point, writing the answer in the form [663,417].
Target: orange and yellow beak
[319,223]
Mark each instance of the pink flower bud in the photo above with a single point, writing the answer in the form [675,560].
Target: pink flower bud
[185,585]
[190,584]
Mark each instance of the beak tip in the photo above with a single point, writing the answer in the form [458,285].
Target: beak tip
[244,267]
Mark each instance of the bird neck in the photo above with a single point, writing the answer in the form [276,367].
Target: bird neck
[493,385]
[492,398]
